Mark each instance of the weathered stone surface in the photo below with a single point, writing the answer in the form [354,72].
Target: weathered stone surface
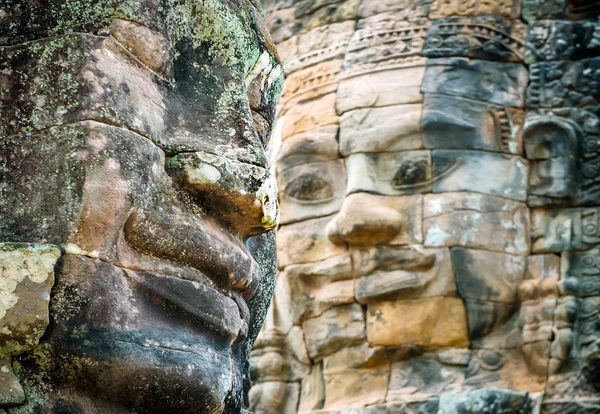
[474,267]
[543,9]
[310,13]
[444,8]
[270,397]
[335,329]
[458,159]
[311,146]
[310,115]
[376,89]
[498,83]
[389,173]
[471,125]
[481,37]
[475,221]
[355,376]
[316,287]
[405,272]
[27,275]
[454,170]
[311,190]
[426,322]
[308,242]
[563,84]
[488,399]
[367,219]
[391,128]
[311,83]
[418,8]
[485,316]
[421,377]
[312,396]
[560,40]
[564,229]
[107,109]
[317,45]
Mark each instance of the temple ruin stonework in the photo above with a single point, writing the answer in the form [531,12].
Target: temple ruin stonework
[135,200]
[438,164]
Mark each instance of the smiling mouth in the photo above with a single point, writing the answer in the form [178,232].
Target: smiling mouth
[194,265]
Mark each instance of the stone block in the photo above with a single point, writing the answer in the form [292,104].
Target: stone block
[389,173]
[26,278]
[391,128]
[417,322]
[274,397]
[494,82]
[279,357]
[507,336]
[485,317]
[405,272]
[11,392]
[423,378]
[543,9]
[561,40]
[367,219]
[312,396]
[355,387]
[477,37]
[310,115]
[311,83]
[563,84]
[311,190]
[455,170]
[559,406]
[355,376]
[445,8]
[476,221]
[310,13]
[487,276]
[385,42]
[315,145]
[379,88]
[544,266]
[478,401]
[583,9]
[314,294]
[411,8]
[335,329]
[564,229]
[315,46]
[471,125]
[305,242]
[282,24]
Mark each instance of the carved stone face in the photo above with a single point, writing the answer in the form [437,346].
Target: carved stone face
[437,177]
[137,148]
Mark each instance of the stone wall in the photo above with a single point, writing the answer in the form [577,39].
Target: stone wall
[438,175]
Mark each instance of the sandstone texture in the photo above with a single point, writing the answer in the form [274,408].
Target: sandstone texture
[136,203]
[440,225]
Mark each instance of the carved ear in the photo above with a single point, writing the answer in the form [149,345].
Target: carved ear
[549,136]
[552,146]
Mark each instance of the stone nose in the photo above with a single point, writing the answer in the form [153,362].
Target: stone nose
[364,220]
[241,195]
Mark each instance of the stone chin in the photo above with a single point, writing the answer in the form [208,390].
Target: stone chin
[123,340]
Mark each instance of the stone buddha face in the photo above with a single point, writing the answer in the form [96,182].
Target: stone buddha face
[434,216]
[133,138]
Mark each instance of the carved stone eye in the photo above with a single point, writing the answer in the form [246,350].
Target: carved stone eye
[410,173]
[309,187]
